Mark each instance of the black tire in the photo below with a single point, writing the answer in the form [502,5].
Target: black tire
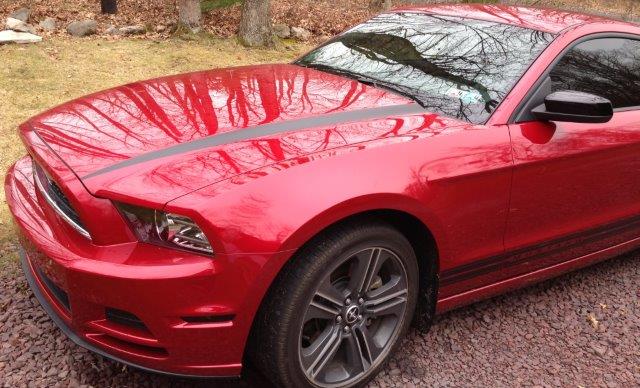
[278,339]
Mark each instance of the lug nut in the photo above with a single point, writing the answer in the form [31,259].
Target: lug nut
[347,302]
[339,318]
[359,317]
[347,329]
[360,301]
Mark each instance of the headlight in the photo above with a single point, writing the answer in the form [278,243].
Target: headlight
[166,229]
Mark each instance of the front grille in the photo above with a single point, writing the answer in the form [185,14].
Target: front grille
[62,200]
[57,200]
[58,293]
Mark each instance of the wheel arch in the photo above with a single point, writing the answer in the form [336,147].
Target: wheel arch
[421,238]
[426,250]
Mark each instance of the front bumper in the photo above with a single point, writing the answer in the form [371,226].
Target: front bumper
[36,287]
[178,315]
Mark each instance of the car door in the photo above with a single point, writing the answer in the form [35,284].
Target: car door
[576,187]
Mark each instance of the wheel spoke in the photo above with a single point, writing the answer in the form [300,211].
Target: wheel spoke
[319,310]
[389,299]
[357,353]
[321,351]
[331,294]
[364,269]
[326,303]
[367,347]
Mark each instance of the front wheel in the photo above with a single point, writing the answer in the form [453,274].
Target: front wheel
[338,309]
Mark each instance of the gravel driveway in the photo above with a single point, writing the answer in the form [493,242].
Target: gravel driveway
[582,329]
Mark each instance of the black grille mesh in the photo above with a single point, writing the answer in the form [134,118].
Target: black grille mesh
[56,194]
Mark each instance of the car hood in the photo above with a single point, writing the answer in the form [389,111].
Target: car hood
[165,137]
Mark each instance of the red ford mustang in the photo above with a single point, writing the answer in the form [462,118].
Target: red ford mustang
[304,214]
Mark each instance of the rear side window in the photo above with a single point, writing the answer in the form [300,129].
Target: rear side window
[607,67]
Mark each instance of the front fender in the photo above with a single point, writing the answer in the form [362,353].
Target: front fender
[280,207]
[359,205]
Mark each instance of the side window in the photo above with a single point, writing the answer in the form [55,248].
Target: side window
[607,67]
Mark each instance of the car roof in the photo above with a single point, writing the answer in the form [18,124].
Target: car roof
[541,19]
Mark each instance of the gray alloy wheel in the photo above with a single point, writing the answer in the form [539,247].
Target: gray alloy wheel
[354,317]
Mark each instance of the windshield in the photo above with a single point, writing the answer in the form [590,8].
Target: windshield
[461,68]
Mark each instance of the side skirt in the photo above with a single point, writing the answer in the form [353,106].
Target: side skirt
[514,283]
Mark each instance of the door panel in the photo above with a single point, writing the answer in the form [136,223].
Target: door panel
[573,180]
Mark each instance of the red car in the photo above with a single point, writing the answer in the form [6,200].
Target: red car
[303,214]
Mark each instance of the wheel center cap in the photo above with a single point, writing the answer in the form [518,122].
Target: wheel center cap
[351,316]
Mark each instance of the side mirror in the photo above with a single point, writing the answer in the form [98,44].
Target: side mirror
[574,107]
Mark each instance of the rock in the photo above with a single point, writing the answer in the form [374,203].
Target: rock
[113,30]
[133,30]
[48,24]
[82,28]
[9,36]
[18,25]
[282,31]
[598,349]
[21,14]
[300,33]
[160,28]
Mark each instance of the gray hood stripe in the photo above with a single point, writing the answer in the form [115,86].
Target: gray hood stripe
[265,130]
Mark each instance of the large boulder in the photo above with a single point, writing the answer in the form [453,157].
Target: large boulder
[113,30]
[82,28]
[21,14]
[18,25]
[48,24]
[282,31]
[9,36]
[300,33]
[133,30]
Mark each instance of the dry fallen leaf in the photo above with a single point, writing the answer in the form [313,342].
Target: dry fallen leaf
[593,320]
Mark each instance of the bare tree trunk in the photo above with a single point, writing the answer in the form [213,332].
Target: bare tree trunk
[380,5]
[630,11]
[190,14]
[109,6]
[255,25]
